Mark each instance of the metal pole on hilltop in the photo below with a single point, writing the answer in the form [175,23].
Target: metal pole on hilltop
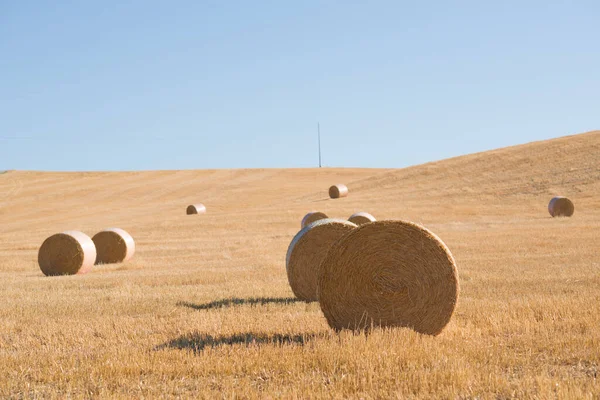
[319,134]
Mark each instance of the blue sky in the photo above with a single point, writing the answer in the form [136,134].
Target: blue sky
[133,85]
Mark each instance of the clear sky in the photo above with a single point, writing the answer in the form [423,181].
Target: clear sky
[129,85]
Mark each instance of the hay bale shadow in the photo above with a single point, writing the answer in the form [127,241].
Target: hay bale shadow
[197,342]
[235,301]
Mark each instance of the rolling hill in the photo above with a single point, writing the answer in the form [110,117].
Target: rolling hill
[165,324]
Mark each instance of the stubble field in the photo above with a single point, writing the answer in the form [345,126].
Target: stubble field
[204,309]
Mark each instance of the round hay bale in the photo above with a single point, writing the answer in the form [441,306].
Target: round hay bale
[561,207]
[386,274]
[307,250]
[67,253]
[195,209]
[312,217]
[113,245]
[337,191]
[361,218]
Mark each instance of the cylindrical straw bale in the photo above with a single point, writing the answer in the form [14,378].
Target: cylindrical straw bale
[561,207]
[67,253]
[196,209]
[113,245]
[307,250]
[312,217]
[387,274]
[337,191]
[361,218]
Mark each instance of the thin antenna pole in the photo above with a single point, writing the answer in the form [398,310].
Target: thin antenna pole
[319,133]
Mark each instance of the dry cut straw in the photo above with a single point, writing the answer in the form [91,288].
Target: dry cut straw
[337,191]
[387,274]
[67,253]
[312,217]
[307,250]
[561,207]
[195,209]
[361,218]
[113,245]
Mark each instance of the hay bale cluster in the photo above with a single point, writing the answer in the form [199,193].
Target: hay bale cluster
[384,274]
[561,207]
[75,253]
[366,273]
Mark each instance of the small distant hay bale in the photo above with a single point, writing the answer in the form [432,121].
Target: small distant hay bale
[307,250]
[67,253]
[312,217]
[388,274]
[196,209]
[113,246]
[361,218]
[337,191]
[561,207]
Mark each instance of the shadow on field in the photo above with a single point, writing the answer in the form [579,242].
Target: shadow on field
[235,301]
[199,341]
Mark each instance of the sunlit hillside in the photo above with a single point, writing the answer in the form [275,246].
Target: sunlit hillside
[204,308]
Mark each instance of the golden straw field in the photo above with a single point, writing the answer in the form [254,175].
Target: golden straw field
[204,309]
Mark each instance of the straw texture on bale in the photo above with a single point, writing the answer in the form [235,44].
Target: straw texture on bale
[561,207]
[113,245]
[196,209]
[337,191]
[67,253]
[312,217]
[361,218]
[307,250]
[387,274]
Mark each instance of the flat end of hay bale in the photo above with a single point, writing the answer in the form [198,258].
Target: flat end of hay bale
[361,218]
[67,253]
[561,206]
[113,246]
[307,250]
[389,274]
[312,217]
[195,209]
[337,191]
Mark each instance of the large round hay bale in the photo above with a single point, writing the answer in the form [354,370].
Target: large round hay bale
[389,273]
[361,218]
[561,207]
[307,250]
[337,191]
[67,253]
[312,217]
[113,245]
[195,209]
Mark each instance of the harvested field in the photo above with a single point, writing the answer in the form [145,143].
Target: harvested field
[204,308]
